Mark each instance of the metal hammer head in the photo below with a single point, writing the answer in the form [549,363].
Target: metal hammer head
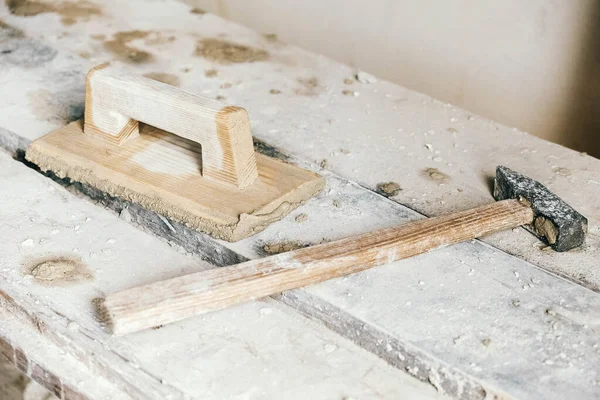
[554,221]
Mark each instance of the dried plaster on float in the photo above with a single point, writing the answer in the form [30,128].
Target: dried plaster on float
[408,131]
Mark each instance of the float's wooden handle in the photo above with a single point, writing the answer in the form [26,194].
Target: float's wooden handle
[175,299]
[116,101]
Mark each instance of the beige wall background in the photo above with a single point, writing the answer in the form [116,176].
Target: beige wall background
[533,64]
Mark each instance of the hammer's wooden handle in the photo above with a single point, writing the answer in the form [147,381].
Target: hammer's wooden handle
[175,299]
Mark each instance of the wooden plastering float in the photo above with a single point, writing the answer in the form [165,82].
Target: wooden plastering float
[184,156]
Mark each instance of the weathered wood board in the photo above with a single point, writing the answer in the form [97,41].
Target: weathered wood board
[491,325]
[470,307]
[60,253]
[442,157]
[59,372]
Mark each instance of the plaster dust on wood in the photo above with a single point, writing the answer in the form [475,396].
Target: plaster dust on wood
[120,46]
[125,45]
[276,353]
[226,52]
[308,86]
[52,107]
[70,11]
[57,271]
[470,148]
[449,301]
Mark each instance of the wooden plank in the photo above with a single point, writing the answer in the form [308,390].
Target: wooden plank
[442,157]
[55,370]
[345,137]
[415,358]
[263,349]
[186,296]
[498,319]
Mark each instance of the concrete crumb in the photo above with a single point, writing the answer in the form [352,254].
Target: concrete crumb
[309,87]
[329,348]
[561,171]
[274,91]
[125,215]
[198,11]
[301,217]
[271,37]
[337,204]
[27,243]
[323,163]
[225,52]
[58,271]
[211,73]
[348,81]
[364,77]
[388,189]
[436,175]
[265,311]
[282,247]
[73,326]
[350,93]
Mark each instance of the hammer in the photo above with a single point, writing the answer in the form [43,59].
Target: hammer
[521,201]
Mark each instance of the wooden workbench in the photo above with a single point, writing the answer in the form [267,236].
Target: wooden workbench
[501,317]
